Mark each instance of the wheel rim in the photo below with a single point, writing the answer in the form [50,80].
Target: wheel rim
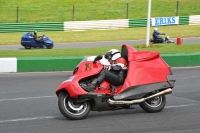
[72,108]
[49,46]
[27,47]
[155,102]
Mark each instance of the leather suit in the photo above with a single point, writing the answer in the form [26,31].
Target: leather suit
[156,36]
[116,74]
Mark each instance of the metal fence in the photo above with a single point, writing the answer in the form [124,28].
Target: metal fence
[125,9]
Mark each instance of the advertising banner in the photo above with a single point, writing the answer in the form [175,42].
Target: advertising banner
[164,21]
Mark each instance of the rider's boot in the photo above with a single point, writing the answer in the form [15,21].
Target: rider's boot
[96,82]
[91,86]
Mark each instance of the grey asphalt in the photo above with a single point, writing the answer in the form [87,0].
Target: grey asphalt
[195,40]
[28,104]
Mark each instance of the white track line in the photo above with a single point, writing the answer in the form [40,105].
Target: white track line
[25,98]
[52,117]
[28,119]
[178,106]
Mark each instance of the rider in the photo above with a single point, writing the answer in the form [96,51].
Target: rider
[35,36]
[115,73]
[156,34]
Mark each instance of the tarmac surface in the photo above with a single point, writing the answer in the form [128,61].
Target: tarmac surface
[28,104]
[195,40]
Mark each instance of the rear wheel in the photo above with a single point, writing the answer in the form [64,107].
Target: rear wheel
[154,105]
[72,110]
[150,41]
[27,47]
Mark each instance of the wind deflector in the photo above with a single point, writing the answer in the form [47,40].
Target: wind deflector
[143,55]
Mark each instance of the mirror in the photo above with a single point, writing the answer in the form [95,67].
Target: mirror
[98,57]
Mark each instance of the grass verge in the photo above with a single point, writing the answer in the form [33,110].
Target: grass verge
[162,48]
[106,35]
[60,10]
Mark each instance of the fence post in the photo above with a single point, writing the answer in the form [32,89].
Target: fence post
[73,13]
[127,10]
[17,14]
[177,7]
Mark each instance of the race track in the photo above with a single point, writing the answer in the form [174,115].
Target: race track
[28,104]
[98,44]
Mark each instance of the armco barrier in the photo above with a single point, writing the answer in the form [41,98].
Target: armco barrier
[47,64]
[184,20]
[140,22]
[38,64]
[82,25]
[194,20]
[28,27]
[96,24]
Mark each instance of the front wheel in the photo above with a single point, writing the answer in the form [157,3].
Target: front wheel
[49,46]
[72,110]
[154,105]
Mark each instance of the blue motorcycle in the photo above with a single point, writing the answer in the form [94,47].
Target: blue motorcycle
[28,41]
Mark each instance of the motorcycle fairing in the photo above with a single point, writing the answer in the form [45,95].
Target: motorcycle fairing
[72,84]
[72,88]
[143,68]
[136,92]
[86,69]
[28,40]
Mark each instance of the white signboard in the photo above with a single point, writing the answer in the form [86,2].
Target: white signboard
[164,21]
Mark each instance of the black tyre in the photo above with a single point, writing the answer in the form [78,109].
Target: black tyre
[72,110]
[154,105]
[27,47]
[49,46]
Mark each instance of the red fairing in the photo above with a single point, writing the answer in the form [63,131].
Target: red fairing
[146,68]
[84,69]
[72,88]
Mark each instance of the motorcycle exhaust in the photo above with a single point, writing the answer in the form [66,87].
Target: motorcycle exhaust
[167,91]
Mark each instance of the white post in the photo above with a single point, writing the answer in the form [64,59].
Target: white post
[148,22]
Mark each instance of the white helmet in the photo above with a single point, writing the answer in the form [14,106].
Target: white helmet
[113,54]
[155,29]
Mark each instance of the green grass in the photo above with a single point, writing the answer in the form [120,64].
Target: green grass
[106,35]
[60,10]
[163,49]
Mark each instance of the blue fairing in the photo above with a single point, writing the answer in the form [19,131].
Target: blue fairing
[28,40]
[46,39]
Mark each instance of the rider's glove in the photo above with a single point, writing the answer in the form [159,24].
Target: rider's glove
[106,67]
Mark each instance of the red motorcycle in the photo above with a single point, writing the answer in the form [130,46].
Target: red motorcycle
[149,78]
